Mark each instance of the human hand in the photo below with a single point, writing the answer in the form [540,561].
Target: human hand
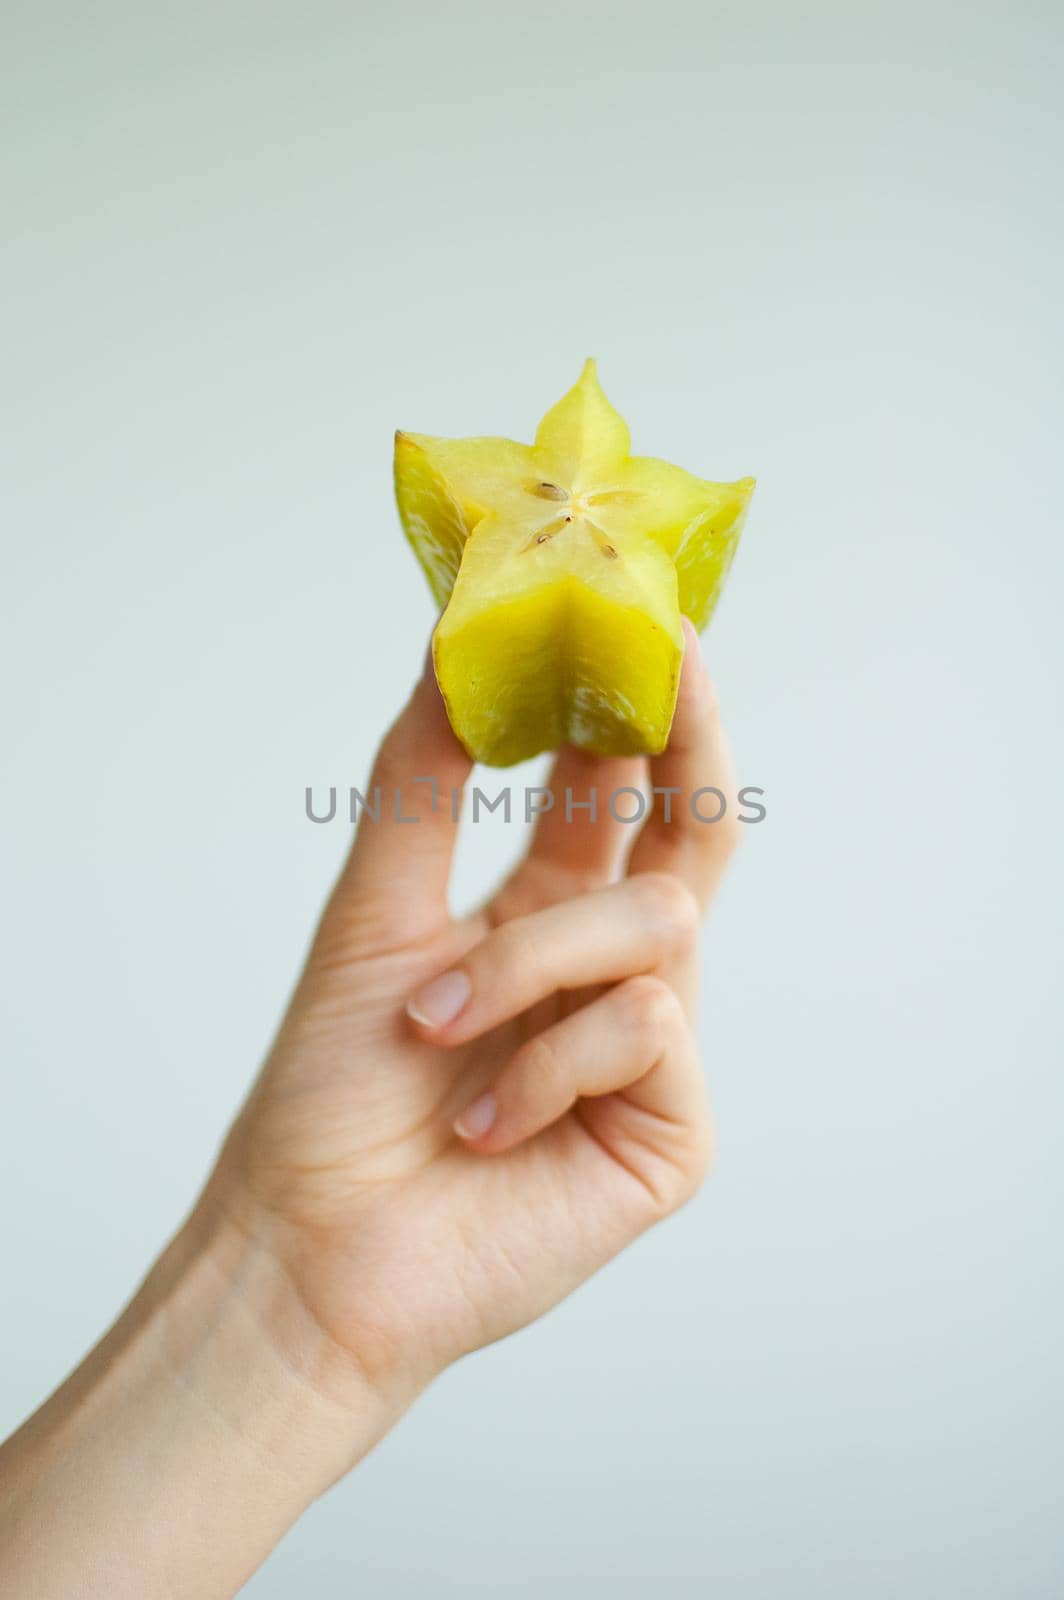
[459,1121]
[569,1065]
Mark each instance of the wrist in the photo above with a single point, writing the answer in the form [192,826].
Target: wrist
[204,1423]
[227,1319]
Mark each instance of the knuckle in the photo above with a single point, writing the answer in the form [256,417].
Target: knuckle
[651,1006]
[671,905]
[685,1168]
[693,1153]
[697,1163]
[703,1153]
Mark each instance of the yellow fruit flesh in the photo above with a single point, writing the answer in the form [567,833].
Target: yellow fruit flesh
[564,568]
[538,647]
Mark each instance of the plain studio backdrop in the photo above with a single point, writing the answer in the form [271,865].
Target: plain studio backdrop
[820,244]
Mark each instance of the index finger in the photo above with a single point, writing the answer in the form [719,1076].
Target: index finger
[688,779]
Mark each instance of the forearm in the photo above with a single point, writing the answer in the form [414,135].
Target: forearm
[193,1436]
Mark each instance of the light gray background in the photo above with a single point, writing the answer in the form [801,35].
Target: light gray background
[817,243]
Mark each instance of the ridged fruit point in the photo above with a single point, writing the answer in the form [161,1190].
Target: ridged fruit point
[563,568]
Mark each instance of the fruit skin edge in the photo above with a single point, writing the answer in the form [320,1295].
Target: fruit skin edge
[595,714]
[592,747]
[626,739]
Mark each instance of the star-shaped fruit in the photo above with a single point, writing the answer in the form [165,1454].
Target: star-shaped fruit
[563,568]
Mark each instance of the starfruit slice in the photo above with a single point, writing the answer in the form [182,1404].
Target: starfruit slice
[563,568]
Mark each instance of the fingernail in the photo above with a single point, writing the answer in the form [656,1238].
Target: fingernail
[440,1001]
[477,1118]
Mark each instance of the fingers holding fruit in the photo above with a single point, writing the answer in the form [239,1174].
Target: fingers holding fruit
[694,780]
[579,840]
[401,857]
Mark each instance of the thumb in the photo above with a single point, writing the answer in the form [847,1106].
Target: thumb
[395,879]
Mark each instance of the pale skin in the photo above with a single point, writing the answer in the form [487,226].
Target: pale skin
[459,1121]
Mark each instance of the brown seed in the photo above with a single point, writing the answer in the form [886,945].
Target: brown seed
[550,491]
[546,532]
[608,550]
